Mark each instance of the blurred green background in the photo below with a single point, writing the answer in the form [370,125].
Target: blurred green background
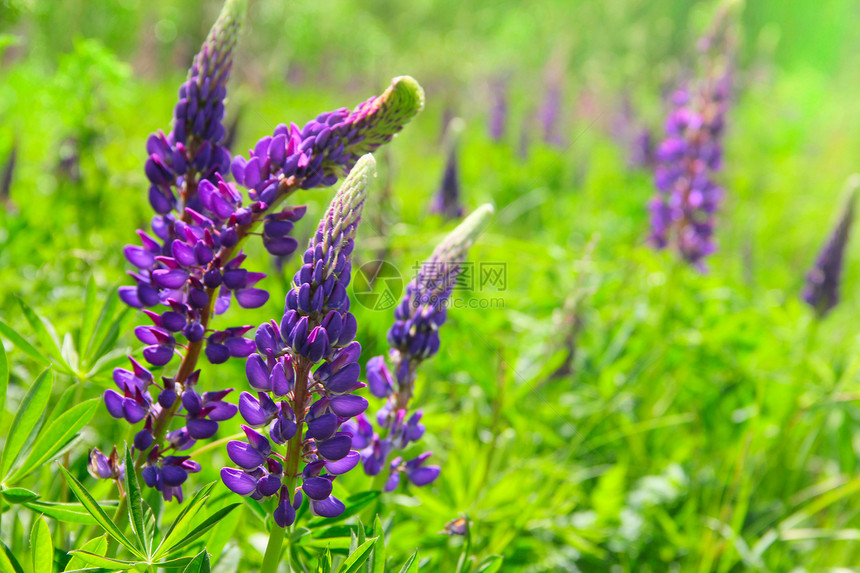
[620,412]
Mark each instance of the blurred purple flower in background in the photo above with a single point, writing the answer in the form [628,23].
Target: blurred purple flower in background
[823,280]
[683,213]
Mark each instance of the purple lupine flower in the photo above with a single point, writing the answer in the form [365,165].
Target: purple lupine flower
[823,280]
[101,466]
[633,136]
[446,201]
[550,110]
[304,372]
[683,213]
[413,338]
[190,267]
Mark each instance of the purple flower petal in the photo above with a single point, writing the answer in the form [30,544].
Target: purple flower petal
[348,405]
[245,456]
[329,507]
[238,481]
[343,465]
[424,475]
[317,488]
[201,429]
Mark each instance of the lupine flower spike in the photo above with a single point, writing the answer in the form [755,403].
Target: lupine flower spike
[413,338]
[683,213]
[823,280]
[304,374]
[446,202]
[191,268]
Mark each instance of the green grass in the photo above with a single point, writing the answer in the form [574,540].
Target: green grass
[706,423]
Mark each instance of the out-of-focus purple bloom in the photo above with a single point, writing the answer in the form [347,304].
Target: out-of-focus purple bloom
[309,362]
[498,109]
[683,213]
[823,280]
[447,201]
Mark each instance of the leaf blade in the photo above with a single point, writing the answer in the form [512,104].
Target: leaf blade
[56,435]
[135,504]
[27,420]
[98,513]
[358,557]
[41,547]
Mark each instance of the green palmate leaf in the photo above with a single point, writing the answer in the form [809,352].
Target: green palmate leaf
[183,520]
[4,381]
[324,563]
[98,513]
[200,564]
[411,564]
[358,557]
[45,333]
[8,561]
[67,512]
[30,414]
[41,547]
[57,435]
[21,343]
[19,495]
[207,524]
[97,546]
[377,557]
[101,561]
[490,565]
[135,504]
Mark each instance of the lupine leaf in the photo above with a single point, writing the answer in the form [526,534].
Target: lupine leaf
[97,546]
[180,524]
[41,547]
[45,333]
[67,512]
[19,495]
[4,381]
[490,565]
[324,563]
[30,414]
[101,561]
[410,564]
[98,513]
[200,564]
[22,344]
[88,320]
[56,435]
[70,353]
[134,503]
[207,524]
[357,558]
[8,561]
[377,558]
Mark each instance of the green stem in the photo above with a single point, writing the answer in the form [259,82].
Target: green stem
[273,549]
[291,468]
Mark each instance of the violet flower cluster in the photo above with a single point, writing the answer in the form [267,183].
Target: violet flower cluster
[413,338]
[683,213]
[191,266]
[305,373]
[446,201]
[821,291]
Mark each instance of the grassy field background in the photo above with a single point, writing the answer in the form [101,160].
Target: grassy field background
[614,410]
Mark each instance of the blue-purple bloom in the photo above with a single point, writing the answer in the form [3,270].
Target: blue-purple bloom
[190,267]
[683,212]
[413,338]
[304,374]
[823,280]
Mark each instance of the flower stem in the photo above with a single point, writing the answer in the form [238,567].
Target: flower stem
[291,468]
